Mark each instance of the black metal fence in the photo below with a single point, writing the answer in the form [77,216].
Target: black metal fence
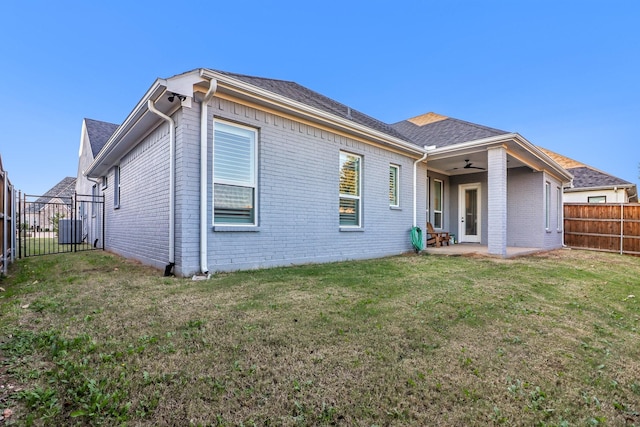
[50,225]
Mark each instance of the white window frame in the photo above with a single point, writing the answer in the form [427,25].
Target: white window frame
[251,183]
[559,209]
[435,207]
[428,191]
[597,199]
[358,197]
[116,187]
[94,200]
[547,205]
[394,191]
[105,182]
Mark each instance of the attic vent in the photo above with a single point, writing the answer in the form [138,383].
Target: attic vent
[349,113]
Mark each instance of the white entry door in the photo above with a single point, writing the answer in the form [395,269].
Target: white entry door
[469,222]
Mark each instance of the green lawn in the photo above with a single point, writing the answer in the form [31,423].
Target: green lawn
[31,246]
[549,340]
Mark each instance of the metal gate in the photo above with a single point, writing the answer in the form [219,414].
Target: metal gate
[51,225]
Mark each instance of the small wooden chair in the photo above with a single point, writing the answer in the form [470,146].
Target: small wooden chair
[441,237]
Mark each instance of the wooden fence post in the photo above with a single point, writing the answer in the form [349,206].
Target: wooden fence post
[621,228]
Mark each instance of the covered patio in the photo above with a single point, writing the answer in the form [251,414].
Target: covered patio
[476,249]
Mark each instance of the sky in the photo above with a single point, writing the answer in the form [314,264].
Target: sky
[563,74]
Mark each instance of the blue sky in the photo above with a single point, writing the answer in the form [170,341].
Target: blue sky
[564,74]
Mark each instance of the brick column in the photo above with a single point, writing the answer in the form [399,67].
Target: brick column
[497,200]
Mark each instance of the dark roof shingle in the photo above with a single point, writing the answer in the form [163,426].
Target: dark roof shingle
[586,177]
[445,132]
[99,133]
[64,190]
[299,93]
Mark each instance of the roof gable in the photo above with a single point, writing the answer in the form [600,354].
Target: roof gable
[64,189]
[99,133]
[443,131]
[563,161]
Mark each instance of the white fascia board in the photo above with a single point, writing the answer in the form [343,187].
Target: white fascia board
[600,188]
[505,139]
[157,88]
[478,143]
[309,111]
[559,170]
[83,137]
[183,83]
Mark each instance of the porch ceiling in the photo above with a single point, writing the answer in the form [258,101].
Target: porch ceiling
[451,160]
[455,164]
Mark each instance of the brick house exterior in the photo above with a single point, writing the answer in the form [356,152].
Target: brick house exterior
[215,171]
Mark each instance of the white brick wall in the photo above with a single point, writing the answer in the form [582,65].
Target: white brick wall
[140,227]
[497,201]
[298,197]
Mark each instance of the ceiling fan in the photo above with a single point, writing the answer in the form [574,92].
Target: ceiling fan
[468,165]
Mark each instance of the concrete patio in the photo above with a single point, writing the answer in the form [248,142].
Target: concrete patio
[462,249]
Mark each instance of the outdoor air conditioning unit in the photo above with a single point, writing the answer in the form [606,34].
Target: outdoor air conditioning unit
[69,231]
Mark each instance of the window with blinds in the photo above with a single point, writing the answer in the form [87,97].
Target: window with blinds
[350,183]
[394,173]
[234,174]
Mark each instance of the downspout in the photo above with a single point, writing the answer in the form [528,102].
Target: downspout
[415,187]
[172,196]
[416,232]
[213,86]
[95,181]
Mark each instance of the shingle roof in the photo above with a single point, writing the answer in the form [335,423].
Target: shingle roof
[563,161]
[587,177]
[64,189]
[296,92]
[99,133]
[445,132]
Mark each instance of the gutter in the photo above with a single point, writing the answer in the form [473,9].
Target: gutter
[172,195]
[213,86]
[601,188]
[158,87]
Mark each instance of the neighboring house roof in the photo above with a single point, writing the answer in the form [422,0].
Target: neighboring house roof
[586,177]
[442,131]
[99,133]
[293,90]
[64,189]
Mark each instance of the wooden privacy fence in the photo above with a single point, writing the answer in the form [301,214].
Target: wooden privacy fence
[607,227]
[7,221]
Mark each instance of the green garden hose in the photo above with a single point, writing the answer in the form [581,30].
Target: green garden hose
[416,238]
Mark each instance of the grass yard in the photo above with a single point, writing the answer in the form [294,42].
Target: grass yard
[31,246]
[545,340]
